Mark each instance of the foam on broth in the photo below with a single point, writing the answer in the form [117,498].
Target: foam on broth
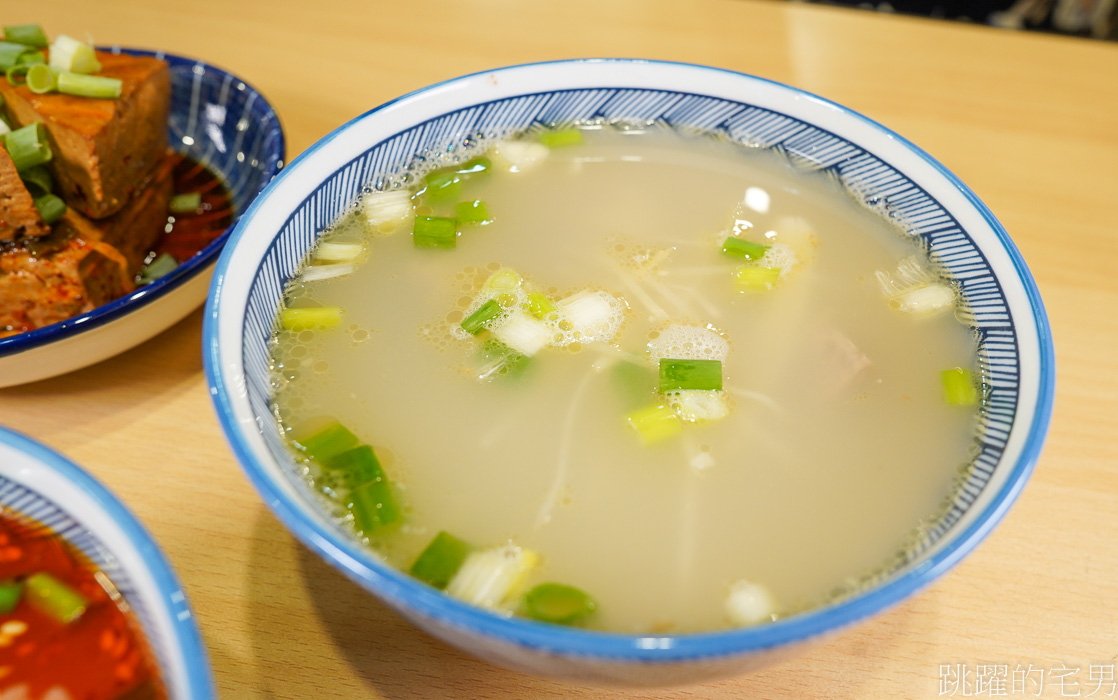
[818,477]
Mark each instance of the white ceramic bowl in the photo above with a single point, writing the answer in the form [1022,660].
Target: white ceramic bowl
[41,484]
[216,119]
[884,168]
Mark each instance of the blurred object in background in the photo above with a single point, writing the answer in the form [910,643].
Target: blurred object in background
[1089,18]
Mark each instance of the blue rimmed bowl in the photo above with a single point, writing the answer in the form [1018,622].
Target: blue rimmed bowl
[878,166]
[42,485]
[218,120]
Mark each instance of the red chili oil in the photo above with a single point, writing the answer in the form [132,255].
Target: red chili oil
[101,655]
[187,234]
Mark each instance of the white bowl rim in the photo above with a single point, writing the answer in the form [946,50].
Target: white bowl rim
[194,661]
[157,289]
[346,555]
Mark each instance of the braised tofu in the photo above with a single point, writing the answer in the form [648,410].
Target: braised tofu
[57,277]
[82,263]
[104,150]
[19,216]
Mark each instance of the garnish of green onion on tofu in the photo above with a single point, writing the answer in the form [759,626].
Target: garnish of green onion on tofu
[749,603]
[491,577]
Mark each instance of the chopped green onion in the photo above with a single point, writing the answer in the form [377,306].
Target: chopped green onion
[51,207]
[440,560]
[357,466]
[539,305]
[435,232]
[71,55]
[741,248]
[495,359]
[477,321]
[37,180]
[185,203]
[17,74]
[655,423]
[558,603]
[323,439]
[561,138]
[370,498]
[523,333]
[29,34]
[676,375]
[443,187]
[489,577]
[28,146]
[756,278]
[958,387]
[338,252]
[474,212]
[41,79]
[89,85]
[475,166]
[373,506]
[318,317]
[54,598]
[13,54]
[635,383]
[505,278]
[10,593]
[925,301]
[32,58]
[163,265]
[697,405]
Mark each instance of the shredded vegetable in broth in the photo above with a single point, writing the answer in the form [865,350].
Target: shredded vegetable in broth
[626,379]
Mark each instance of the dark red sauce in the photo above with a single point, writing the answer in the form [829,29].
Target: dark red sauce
[101,655]
[189,233]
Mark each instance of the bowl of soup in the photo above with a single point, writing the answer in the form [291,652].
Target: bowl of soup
[89,606]
[98,284]
[624,371]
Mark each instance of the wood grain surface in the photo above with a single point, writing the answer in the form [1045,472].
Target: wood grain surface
[1030,122]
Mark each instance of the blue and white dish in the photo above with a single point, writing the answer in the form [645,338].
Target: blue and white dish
[878,166]
[40,484]
[217,119]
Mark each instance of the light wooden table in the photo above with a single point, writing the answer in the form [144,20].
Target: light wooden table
[1029,122]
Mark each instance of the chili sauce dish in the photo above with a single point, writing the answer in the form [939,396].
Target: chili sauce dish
[628,372]
[89,606]
[121,179]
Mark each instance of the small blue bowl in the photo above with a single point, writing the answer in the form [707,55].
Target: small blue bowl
[878,166]
[42,485]
[218,120]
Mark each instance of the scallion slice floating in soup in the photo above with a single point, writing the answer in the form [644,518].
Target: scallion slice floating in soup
[741,248]
[684,375]
[440,560]
[561,138]
[558,603]
[958,387]
[435,232]
[324,439]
